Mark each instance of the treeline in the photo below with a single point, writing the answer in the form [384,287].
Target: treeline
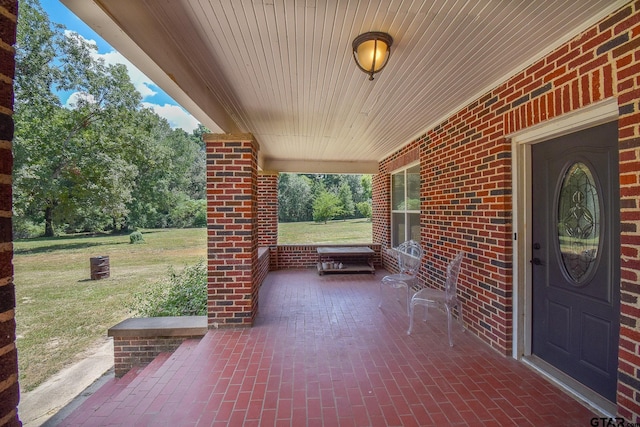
[316,197]
[102,161]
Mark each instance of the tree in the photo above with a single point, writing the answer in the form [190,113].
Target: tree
[365,209]
[197,188]
[101,161]
[68,160]
[326,207]
[294,198]
[346,201]
[365,182]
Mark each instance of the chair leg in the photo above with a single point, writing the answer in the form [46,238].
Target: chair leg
[410,320]
[408,301]
[449,324]
[380,297]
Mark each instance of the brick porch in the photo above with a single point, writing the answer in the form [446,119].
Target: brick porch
[322,353]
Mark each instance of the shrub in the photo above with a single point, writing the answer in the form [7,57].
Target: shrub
[25,229]
[136,237]
[181,293]
[365,209]
[189,213]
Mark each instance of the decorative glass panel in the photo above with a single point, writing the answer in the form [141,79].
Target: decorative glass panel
[578,222]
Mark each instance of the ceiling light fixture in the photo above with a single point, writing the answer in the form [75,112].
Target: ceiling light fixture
[371,51]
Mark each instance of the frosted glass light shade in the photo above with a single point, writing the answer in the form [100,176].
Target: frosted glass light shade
[371,51]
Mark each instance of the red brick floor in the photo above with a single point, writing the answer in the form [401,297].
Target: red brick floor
[321,353]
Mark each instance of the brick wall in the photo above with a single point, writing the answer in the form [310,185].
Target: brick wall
[268,212]
[232,231]
[263,265]
[381,209]
[466,181]
[9,388]
[129,352]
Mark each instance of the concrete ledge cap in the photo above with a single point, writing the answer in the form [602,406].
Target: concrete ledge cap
[160,327]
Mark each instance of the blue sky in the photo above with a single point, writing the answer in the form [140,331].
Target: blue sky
[153,96]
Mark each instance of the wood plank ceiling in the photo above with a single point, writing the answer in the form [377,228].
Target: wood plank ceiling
[283,69]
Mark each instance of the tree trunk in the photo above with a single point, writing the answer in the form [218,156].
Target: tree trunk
[48,222]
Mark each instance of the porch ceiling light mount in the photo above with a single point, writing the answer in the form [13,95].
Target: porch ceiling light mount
[371,51]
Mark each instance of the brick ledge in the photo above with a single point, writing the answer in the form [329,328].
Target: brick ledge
[137,341]
[177,326]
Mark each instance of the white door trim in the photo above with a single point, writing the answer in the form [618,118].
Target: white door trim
[521,142]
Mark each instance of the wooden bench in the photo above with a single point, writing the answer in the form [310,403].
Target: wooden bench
[345,259]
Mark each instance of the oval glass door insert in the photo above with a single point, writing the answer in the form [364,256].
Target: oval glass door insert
[578,222]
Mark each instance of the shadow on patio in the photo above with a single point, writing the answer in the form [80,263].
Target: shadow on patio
[321,353]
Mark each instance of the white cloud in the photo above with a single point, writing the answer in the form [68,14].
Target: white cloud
[141,82]
[175,115]
[69,33]
[76,97]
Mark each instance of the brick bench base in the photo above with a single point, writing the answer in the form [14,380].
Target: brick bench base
[137,341]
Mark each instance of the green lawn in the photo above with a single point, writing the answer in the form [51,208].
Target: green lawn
[333,232]
[61,313]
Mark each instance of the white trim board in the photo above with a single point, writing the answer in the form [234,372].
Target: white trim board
[521,141]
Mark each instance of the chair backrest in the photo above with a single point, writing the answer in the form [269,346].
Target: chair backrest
[409,257]
[453,270]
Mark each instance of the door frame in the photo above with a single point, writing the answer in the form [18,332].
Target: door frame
[521,142]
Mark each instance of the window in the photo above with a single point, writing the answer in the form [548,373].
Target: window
[405,205]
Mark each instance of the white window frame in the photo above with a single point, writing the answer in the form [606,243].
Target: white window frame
[405,211]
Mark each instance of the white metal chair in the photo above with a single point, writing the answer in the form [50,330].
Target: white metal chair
[446,299]
[409,257]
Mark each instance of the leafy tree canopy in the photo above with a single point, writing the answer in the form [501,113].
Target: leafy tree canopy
[298,193]
[101,161]
[326,207]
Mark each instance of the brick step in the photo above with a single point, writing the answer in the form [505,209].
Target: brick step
[101,397]
[149,370]
[151,380]
[141,381]
[178,358]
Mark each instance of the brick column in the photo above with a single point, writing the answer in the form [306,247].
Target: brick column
[232,229]
[268,215]
[381,209]
[9,388]
[268,212]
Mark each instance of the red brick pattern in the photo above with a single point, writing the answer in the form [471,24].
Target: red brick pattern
[323,354]
[9,388]
[381,209]
[466,180]
[263,266]
[268,212]
[232,230]
[130,352]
